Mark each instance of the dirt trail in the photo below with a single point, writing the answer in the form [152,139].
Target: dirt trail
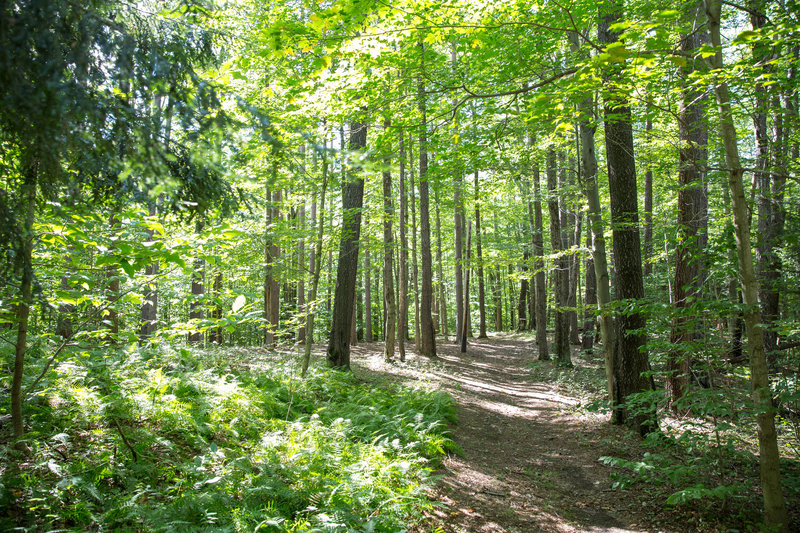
[530,459]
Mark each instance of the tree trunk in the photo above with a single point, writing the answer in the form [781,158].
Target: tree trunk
[465,322]
[775,515]
[23,308]
[440,271]
[402,326]
[478,249]
[388,255]
[368,337]
[149,312]
[560,267]
[590,300]
[458,225]
[338,352]
[196,312]
[648,207]
[631,357]
[316,256]
[538,266]
[301,268]
[574,268]
[692,222]
[216,314]
[415,266]
[595,224]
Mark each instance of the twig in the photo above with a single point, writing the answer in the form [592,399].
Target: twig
[125,440]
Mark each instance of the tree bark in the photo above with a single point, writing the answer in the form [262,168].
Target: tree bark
[414,260]
[631,357]
[590,299]
[775,515]
[442,311]
[560,266]
[692,222]
[196,312]
[427,334]
[316,257]
[648,207]
[479,251]
[149,312]
[402,326]
[388,255]
[23,308]
[338,353]
[538,266]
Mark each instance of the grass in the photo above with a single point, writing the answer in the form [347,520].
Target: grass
[174,440]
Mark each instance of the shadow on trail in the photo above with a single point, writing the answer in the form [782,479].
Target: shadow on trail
[530,462]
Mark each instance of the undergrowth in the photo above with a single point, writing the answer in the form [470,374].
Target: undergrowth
[186,441]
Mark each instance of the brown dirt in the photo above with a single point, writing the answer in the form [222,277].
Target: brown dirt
[530,458]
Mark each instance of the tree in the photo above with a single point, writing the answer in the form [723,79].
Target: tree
[388,255]
[769,458]
[561,266]
[631,361]
[347,269]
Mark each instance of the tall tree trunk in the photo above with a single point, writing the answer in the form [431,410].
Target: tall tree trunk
[648,206]
[338,352]
[590,300]
[368,337]
[595,224]
[538,266]
[631,358]
[271,254]
[692,220]
[775,515]
[458,225]
[23,308]
[574,269]
[497,292]
[301,268]
[440,270]
[388,255]
[427,334]
[216,333]
[402,326]
[479,251]
[415,266]
[316,256]
[112,274]
[465,322]
[149,311]
[196,307]
[560,267]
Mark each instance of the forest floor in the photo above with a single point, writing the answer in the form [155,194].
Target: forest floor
[530,457]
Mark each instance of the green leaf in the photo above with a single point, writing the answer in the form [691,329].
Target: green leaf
[238,303]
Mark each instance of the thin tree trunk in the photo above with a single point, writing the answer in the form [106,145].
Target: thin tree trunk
[196,312]
[775,515]
[23,308]
[402,326]
[388,256]
[538,265]
[216,333]
[368,337]
[595,224]
[692,222]
[338,353]
[316,256]
[458,225]
[415,266]
[479,251]
[465,322]
[561,266]
[149,311]
[440,270]
[590,300]
[648,206]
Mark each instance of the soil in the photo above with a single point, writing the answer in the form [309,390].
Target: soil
[530,457]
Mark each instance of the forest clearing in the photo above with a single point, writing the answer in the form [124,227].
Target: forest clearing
[369,265]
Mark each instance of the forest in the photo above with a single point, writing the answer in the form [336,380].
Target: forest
[423,266]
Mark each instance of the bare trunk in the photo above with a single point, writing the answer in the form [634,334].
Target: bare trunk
[561,266]
[402,326]
[388,258]
[479,251]
[631,357]
[338,353]
[775,514]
